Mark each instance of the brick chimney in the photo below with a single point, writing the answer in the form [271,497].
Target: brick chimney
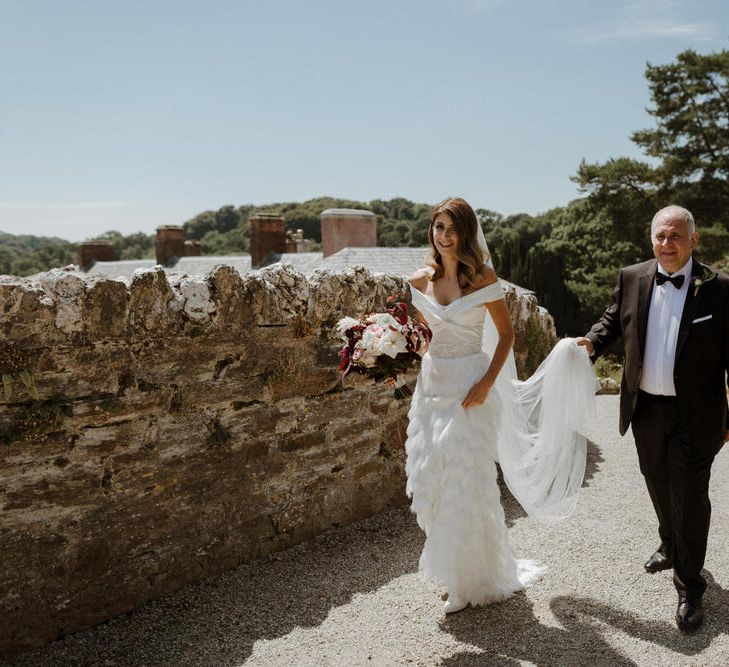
[268,235]
[169,243]
[347,228]
[90,252]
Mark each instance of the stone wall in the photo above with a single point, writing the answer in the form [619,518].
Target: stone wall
[157,433]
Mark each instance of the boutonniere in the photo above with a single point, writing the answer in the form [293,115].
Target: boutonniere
[707,275]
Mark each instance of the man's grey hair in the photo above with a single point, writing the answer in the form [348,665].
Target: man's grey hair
[675,212]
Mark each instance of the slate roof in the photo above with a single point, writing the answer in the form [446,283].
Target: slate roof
[123,268]
[205,263]
[400,261]
[304,262]
[191,265]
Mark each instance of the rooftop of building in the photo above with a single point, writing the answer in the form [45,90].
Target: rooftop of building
[398,261]
[348,212]
[401,261]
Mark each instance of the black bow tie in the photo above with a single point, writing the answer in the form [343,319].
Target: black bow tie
[676,280]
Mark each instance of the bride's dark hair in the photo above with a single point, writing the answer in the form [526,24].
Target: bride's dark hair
[470,255]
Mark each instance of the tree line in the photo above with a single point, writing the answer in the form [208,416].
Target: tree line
[26,255]
[569,255]
[400,222]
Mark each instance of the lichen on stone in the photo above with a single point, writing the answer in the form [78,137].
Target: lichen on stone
[67,291]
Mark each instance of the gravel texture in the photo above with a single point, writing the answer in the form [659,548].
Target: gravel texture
[352,596]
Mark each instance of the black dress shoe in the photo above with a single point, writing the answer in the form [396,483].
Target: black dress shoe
[658,561]
[690,613]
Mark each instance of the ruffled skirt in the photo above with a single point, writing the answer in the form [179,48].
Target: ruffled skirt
[452,479]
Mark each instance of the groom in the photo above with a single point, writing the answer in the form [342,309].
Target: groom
[672,314]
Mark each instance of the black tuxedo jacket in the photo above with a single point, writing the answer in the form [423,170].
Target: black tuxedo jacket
[702,348]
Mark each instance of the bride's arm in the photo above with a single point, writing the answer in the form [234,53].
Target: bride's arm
[504,327]
[419,280]
[502,320]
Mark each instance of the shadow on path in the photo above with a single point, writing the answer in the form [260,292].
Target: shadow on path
[716,602]
[525,638]
[580,638]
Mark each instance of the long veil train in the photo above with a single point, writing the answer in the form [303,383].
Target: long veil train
[541,443]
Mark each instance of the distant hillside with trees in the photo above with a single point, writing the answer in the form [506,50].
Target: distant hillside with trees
[569,255]
[25,255]
[227,230]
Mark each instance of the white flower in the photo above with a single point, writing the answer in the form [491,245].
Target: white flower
[392,343]
[345,324]
[370,340]
[383,320]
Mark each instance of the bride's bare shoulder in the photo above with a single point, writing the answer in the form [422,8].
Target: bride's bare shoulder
[419,279]
[485,276]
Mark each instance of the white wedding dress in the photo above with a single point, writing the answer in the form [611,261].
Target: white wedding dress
[452,452]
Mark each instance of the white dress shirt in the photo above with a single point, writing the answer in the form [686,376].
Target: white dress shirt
[664,319]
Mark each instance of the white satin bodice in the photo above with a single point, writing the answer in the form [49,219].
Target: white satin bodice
[458,327]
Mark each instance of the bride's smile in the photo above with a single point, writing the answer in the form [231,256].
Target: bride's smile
[445,235]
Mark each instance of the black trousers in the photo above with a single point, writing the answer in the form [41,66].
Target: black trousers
[677,473]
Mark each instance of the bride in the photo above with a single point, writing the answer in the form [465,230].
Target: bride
[468,412]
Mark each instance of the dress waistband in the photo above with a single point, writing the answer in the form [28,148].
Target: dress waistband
[452,351]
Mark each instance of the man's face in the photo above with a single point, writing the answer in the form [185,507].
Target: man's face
[672,243]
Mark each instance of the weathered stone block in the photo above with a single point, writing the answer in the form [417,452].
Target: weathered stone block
[233,300]
[153,306]
[303,441]
[105,309]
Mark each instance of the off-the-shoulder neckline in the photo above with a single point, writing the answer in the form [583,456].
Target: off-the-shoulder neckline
[457,299]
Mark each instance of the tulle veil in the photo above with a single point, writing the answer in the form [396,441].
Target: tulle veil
[541,443]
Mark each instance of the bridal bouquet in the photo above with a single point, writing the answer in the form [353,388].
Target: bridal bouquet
[382,345]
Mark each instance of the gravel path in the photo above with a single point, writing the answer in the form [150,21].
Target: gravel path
[352,596]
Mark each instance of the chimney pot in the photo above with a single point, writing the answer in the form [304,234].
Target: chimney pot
[169,243]
[98,250]
[268,235]
[193,249]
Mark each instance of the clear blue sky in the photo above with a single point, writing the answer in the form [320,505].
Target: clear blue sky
[129,114]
